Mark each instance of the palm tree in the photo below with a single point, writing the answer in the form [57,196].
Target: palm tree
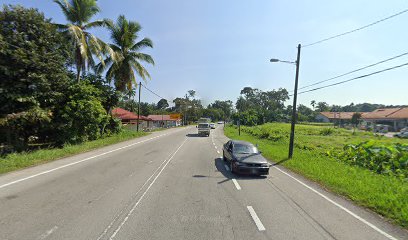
[85,45]
[313,103]
[124,34]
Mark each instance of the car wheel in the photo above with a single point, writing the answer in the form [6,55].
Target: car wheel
[232,167]
[224,158]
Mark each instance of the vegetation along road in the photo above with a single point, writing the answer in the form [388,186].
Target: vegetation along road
[173,184]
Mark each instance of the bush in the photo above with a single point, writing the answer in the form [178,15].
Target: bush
[381,159]
[83,116]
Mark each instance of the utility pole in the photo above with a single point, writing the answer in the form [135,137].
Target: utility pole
[138,107]
[292,129]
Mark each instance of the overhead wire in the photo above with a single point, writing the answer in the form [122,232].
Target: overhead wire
[355,30]
[157,95]
[353,79]
[356,70]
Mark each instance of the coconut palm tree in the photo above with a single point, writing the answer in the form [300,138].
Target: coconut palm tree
[85,45]
[124,34]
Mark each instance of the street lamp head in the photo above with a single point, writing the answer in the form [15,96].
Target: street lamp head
[274,60]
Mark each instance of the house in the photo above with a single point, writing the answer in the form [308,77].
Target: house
[394,118]
[130,118]
[165,121]
[336,117]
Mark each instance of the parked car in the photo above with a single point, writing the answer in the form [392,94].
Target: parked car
[212,125]
[402,134]
[404,129]
[220,122]
[245,158]
[203,129]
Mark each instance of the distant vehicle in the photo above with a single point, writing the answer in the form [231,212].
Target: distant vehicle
[203,129]
[204,120]
[212,125]
[245,158]
[220,122]
[402,134]
[381,128]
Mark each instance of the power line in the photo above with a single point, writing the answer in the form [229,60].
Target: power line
[355,30]
[153,92]
[352,79]
[356,70]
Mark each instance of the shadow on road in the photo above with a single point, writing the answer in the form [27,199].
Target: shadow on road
[220,165]
[193,135]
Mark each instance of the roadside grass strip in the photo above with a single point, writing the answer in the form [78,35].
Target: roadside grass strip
[386,195]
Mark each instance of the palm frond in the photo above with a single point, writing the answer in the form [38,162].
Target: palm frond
[97,23]
[141,71]
[145,42]
[143,57]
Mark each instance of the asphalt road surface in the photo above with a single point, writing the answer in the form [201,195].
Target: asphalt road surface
[174,185]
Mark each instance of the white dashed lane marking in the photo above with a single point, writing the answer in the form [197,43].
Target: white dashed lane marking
[256,219]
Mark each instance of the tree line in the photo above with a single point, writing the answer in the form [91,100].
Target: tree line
[59,82]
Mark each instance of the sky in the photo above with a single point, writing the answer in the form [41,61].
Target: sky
[218,47]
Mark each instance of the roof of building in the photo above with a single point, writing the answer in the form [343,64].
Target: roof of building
[161,118]
[126,115]
[387,113]
[382,113]
[339,115]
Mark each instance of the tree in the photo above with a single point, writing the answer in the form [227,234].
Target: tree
[83,116]
[313,103]
[224,106]
[355,119]
[305,113]
[84,44]
[268,106]
[322,107]
[124,34]
[33,76]
[162,104]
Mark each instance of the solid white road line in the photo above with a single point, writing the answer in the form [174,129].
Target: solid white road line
[74,163]
[144,193]
[339,206]
[256,219]
[236,184]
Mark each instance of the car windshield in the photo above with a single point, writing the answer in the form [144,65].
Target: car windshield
[203,125]
[245,149]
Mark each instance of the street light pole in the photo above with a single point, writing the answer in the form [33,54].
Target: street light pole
[292,129]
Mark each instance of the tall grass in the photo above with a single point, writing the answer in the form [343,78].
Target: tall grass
[387,195]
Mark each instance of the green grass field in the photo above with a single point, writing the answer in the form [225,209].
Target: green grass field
[17,161]
[386,195]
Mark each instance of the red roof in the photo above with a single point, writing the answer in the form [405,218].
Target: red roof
[162,118]
[387,113]
[339,115]
[126,115]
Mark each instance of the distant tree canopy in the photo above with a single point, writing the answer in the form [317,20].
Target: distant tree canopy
[267,106]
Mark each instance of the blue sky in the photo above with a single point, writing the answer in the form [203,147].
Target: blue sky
[218,47]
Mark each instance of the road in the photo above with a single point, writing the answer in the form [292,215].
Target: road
[174,185]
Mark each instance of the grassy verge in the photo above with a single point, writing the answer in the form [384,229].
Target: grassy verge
[385,195]
[17,161]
